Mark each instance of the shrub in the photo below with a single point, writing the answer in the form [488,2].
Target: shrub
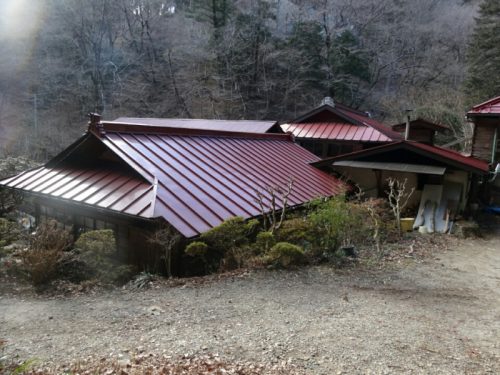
[197,249]
[51,235]
[285,255]
[335,223]
[46,247]
[9,232]
[97,244]
[264,241]
[233,232]
[97,249]
[298,231]
[229,243]
[41,265]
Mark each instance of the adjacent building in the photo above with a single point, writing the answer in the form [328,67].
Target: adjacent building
[334,129]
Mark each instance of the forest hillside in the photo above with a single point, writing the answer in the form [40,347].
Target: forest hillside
[252,59]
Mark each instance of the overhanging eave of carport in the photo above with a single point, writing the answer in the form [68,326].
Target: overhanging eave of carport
[398,167]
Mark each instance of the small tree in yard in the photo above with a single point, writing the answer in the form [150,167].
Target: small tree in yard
[166,238]
[398,197]
[271,218]
[372,207]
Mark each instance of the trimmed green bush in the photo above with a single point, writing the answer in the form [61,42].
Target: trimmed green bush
[229,243]
[231,233]
[97,249]
[298,231]
[264,241]
[197,249]
[285,255]
[97,243]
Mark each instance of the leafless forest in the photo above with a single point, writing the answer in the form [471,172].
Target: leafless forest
[253,59]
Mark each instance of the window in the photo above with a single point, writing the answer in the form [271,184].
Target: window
[88,223]
[71,222]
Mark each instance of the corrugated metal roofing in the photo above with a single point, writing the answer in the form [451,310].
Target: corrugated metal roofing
[104,188]
[245,126]
[489,107]
[204,180]
[368,121]
[196,180]
[340,123]
[439,153]
[335,131]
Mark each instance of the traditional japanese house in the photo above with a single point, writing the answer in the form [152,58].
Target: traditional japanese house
[334,129]
[134,177]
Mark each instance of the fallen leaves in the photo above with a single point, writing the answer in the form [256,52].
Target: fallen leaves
[150,364]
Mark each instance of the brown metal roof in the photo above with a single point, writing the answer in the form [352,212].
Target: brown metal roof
[246,126]
[192,179]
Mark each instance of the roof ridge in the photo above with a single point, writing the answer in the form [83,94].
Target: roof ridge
[119,127]
[186,119]
[487,102]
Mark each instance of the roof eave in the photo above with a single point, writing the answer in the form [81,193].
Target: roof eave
[481,114]
[83,205]
[401,144]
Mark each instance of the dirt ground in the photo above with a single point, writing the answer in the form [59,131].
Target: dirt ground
[439,316]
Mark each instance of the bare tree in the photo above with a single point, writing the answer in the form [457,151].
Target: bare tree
[166,238]
[398,197]
[273,212]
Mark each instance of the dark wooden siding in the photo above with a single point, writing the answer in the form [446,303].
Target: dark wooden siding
[482,142]
[422,135]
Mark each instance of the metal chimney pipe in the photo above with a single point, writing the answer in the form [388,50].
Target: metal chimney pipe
[327,100]
[407,129]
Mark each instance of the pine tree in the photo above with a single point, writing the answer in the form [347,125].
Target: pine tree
[483,56]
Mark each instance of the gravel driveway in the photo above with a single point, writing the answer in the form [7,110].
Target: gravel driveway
[441,316]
